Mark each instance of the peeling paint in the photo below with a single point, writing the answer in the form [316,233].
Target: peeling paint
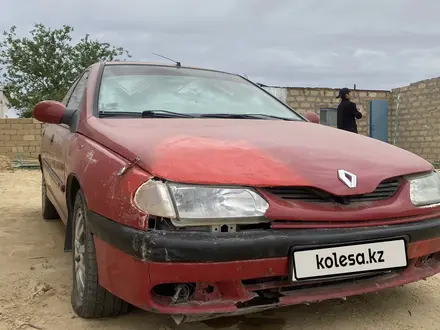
[112,185]
[90,159]
[143,221]
[146,252]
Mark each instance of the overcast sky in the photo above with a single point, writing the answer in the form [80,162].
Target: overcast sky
[327,43]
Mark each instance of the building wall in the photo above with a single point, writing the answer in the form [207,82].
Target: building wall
[314,99]
[20,135]
[418,118]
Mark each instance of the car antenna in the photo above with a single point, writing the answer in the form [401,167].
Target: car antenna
[169,59]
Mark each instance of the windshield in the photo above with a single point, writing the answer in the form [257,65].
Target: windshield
[138,88]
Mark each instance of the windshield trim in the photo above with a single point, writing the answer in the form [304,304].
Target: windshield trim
[103,65]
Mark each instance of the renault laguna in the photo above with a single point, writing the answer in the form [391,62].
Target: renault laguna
[196,193]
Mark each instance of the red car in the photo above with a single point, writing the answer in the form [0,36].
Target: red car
[196,193]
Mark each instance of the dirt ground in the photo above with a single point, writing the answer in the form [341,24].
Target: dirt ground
[35,284]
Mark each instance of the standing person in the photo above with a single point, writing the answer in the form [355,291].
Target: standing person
[347,112]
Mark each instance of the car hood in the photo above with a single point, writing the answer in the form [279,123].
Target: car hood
[254,152]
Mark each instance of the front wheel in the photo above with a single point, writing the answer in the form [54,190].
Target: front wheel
[89,299]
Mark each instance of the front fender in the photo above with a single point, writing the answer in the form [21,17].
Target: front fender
[106,192]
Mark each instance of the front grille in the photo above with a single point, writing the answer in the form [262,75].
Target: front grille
[384,190]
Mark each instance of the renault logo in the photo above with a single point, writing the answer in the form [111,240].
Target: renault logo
[348,178]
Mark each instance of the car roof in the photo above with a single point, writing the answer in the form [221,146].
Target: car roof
[166,66]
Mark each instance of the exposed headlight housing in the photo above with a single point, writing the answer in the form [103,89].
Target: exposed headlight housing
[425,189]
[195,205]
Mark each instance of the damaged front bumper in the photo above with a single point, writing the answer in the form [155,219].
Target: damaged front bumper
[418,269]
[200,275]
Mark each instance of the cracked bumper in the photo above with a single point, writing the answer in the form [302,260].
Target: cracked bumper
[183,246]
[240,268]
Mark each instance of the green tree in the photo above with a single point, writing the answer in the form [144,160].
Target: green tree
[45,64]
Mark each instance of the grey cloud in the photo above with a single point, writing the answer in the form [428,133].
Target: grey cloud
[375,44]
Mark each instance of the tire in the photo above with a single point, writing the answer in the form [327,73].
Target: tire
[47,209]
[89,299]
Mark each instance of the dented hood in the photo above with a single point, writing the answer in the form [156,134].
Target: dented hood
[253,152]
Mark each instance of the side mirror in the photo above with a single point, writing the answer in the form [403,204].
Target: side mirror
[312,117]
[52,112]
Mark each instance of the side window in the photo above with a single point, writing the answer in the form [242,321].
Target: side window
[69,92]
[78,92]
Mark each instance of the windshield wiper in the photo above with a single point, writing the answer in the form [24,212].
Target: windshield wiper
[145,114]
[171,114]
[119,114]
[243,116]
[164,114]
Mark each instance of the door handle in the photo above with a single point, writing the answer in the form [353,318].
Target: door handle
[51,139]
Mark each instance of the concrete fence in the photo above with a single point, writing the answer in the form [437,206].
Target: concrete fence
[20,136]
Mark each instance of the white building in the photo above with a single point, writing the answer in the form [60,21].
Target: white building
[4,107]
[279,92]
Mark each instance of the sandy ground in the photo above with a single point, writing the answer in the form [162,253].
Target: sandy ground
[35,284]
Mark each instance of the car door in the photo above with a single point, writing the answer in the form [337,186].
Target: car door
[47,154]
[59,137]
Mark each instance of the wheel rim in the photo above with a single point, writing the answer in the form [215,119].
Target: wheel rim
[80,269]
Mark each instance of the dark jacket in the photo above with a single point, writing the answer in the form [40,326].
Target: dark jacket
[347,115]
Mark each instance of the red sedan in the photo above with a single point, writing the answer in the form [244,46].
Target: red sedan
[196,193]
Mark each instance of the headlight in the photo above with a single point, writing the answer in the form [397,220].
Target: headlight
[189,205]
[425,189]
